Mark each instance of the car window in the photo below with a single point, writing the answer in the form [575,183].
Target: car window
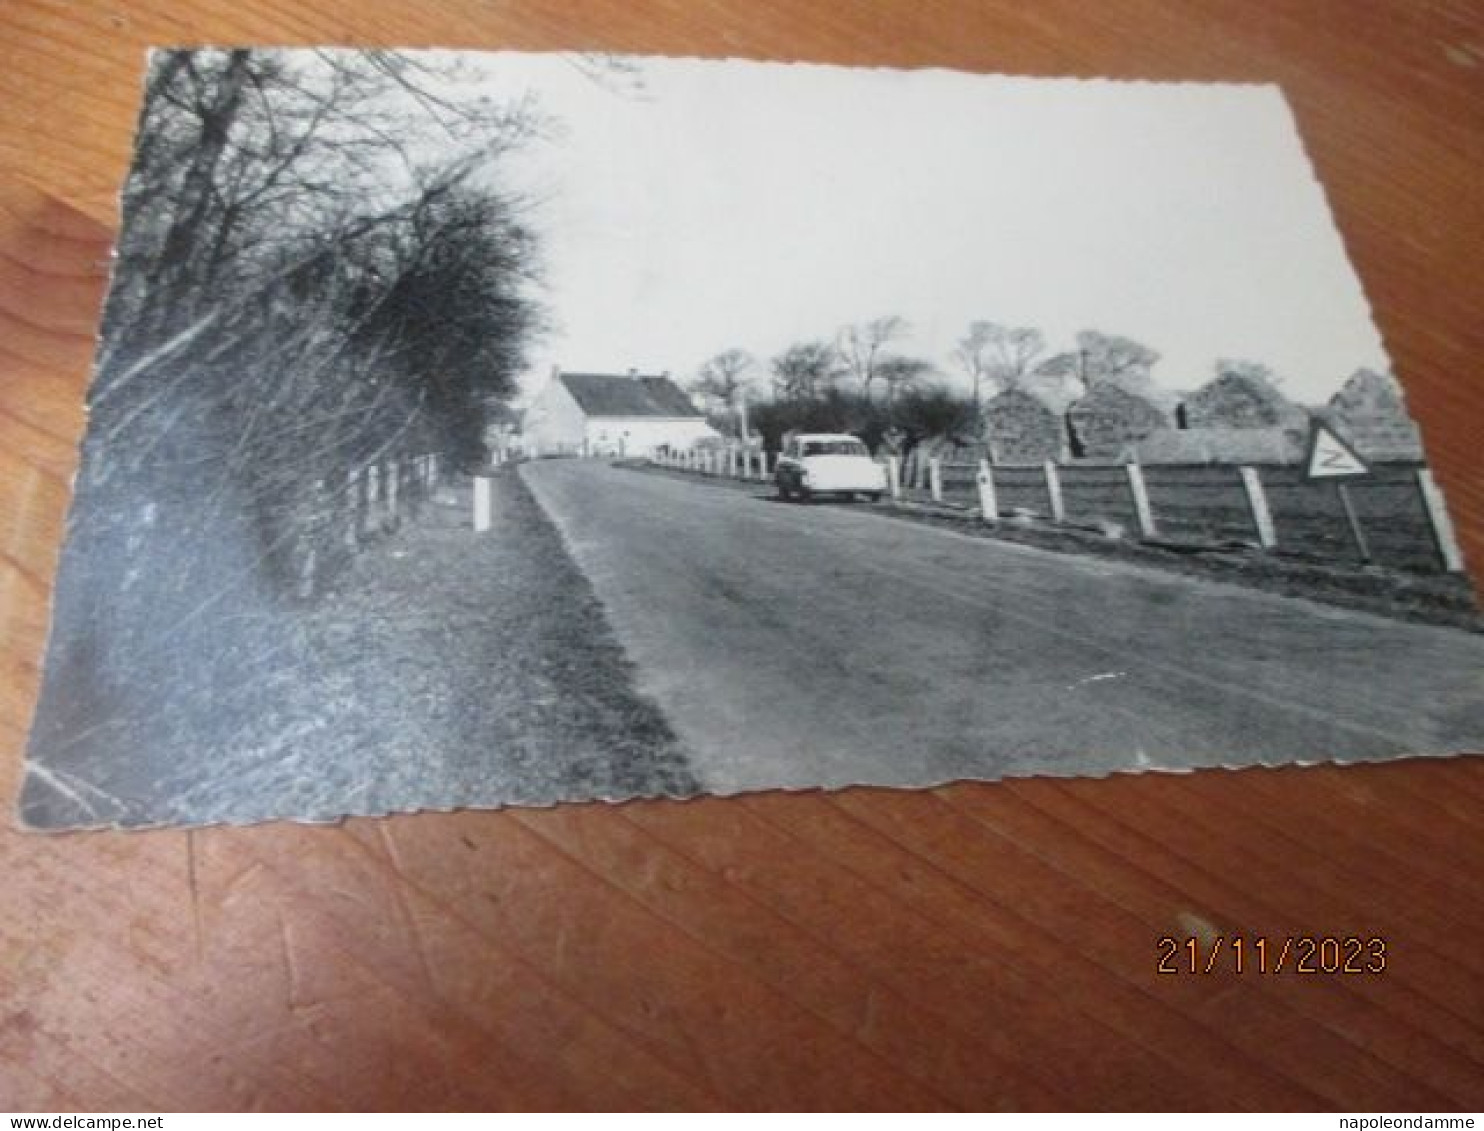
[835,448]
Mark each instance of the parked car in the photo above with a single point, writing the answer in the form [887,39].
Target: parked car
[827,463]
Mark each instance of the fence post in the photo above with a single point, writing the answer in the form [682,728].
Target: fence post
[935,478]
[393,485]
[481,503]
[1440,523]
[989,504]
[1257,503]
[1438,519]
[353,492]
[894,475]
[732,463]
[371,511]
[1140,493]
[1053,491]
[762,465]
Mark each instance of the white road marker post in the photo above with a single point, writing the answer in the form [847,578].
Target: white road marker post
[482,503]
[371,514]
[935,478]
[989,504]
[1140,492]
[731,463]
[1257,503]
[393,489]
[1053,491]
[1438,520]
[354,494]
[894,475]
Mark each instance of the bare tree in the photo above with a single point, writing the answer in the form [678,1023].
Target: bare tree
[1251,370]
[250,158]
[721,383]
[1109,357]
[860,346]
[804,371]
[316,270]
[1004,355]
[898,373]
[723,376]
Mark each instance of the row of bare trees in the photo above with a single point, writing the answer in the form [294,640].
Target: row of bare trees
[317,269]
[861,382]
[863,357]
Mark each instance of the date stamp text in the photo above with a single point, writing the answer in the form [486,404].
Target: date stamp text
[1260,954]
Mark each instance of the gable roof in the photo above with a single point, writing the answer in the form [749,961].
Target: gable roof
[1105,394]
[602,394]
[1055,394]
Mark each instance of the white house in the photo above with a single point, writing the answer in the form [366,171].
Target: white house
[605,414]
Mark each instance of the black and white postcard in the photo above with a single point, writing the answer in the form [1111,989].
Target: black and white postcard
[472,430]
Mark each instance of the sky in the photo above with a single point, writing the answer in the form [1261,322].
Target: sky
[752,205]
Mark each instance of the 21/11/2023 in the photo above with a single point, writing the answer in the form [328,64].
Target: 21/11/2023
[1259,954]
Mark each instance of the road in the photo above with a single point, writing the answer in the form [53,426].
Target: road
[799,646]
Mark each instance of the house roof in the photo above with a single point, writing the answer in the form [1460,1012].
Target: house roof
[1055,394]
[602,394]
[1141,388]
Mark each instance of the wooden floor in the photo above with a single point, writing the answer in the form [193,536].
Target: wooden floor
[986,946]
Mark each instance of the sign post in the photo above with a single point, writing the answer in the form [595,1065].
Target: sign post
[1331,458]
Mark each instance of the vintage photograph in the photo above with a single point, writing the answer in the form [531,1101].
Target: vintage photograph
[485,429]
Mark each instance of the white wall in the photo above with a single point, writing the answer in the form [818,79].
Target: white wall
[554,423]
[640,435]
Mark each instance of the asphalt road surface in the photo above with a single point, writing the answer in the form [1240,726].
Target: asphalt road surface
[821,645]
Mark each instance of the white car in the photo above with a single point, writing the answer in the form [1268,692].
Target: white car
[827,463]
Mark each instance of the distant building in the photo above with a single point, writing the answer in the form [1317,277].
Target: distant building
[1242,400]
[1370,414]
[1027,423]
[607,414]
[1236,417]
[1220,445]
[1115,415]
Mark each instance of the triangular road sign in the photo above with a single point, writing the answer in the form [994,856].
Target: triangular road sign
[1330,457]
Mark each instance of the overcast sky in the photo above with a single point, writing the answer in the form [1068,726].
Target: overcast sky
[758,204]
